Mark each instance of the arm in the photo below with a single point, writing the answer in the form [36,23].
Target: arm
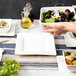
[70,26]
[60,28]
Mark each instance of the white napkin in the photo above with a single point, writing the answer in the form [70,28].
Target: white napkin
[1,51]
[63,71]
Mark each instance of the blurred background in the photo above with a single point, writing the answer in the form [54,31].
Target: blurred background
[12,8]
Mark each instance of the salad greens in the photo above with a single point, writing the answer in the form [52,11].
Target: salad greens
[50,16]
[70,58]
[9,68]
[67,54]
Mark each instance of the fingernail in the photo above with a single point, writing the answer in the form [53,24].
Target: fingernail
[44,25]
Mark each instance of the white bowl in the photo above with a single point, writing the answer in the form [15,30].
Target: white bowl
[45,9]
[5,30]
[71,68]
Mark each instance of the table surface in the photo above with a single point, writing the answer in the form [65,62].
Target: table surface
[37,65]
[38,73]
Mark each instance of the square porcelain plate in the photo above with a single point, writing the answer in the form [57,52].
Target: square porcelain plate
[63,71]
[45,9]
[9,22]
[35,44]
[10,31]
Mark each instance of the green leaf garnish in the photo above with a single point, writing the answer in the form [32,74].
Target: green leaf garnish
[51,20]
[73,17]
[67,54]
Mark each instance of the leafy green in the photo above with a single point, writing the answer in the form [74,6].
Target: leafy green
[67,54]
[44,14]
[9,68]
[72,18]
[50,20]
[3,24]
[42,20]
[74,62]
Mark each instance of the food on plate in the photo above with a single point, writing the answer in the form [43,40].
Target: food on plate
[4,24]
[73,54]
[74,62]
[69,63]
[61,16]
[70,58]
[67,54]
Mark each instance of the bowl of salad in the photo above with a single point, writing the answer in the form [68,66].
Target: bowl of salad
[5,25]
[70,60]
[56,14]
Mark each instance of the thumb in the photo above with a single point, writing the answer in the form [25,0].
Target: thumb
[74,6]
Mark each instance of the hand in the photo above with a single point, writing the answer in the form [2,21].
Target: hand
[55,28]
[60,27]
[74,6]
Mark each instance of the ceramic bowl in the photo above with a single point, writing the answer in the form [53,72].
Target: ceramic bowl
[45,9]
[71,68]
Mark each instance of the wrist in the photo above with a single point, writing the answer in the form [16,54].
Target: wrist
[65,25]
[70,26]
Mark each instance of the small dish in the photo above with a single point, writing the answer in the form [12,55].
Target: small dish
[71,68]
[11,32]
[9,22]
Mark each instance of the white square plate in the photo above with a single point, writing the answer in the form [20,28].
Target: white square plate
[63,71]
[9,22]
[11,30]
[35,44]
